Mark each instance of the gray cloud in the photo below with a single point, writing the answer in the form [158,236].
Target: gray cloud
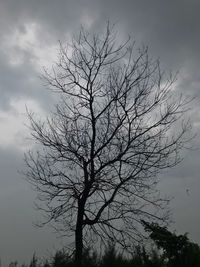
[56,17]
[19,239]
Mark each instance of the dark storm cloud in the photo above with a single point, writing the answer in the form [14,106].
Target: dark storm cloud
[56,16]
[54,19]
[170,28]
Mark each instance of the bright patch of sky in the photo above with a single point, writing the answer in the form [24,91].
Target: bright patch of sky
[27,41]
[14,124]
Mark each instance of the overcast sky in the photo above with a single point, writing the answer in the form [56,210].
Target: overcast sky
[30,30]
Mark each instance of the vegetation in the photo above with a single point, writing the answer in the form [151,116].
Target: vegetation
[177,249]
[170,250]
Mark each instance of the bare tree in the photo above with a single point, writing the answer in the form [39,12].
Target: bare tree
[117,125]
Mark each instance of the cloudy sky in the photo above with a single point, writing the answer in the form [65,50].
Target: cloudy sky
[30,30]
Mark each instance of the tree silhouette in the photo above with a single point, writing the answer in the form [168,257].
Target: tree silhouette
[178,249]
[118,123]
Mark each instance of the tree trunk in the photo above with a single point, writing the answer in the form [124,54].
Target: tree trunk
[79,238]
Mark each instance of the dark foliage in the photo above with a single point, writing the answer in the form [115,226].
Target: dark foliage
[178,250]
[141,257]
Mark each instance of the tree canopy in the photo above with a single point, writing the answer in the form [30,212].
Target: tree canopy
[117,125]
